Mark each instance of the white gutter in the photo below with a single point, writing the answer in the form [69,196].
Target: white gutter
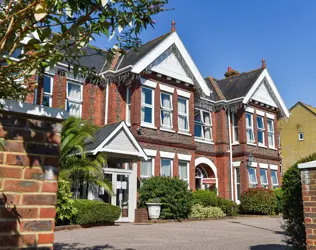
[230,155]
[224,101]
[116,72]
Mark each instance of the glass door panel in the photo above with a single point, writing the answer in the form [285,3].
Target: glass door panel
[122,190]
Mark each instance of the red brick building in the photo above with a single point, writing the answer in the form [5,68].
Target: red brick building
[211,133]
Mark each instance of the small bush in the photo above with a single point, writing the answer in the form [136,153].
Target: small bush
[205,198]
[258,201]
[279,194]
[173,193]
[93,212]
[200,212]
[229,207]
[65,210]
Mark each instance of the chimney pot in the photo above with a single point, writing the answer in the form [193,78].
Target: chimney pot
[263,63]
[173,26]
[229,69]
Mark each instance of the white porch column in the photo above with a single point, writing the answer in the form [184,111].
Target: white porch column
[133,193]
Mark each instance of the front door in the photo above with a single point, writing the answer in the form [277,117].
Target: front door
[122,197]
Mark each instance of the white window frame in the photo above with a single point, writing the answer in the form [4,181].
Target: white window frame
[203,124]
[266,185]
[236,184]
[165,109]
[49,95]
[152,106]
[262,130]
[255,184]
[271,132]
[69,99]
[274,171]
[250,128]
[186,115]
[171,165]
[152,159]
[235,125]
[188,170]
[128,105]
[301,136]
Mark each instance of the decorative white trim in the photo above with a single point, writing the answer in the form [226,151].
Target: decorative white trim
[163,46]
[184,157]
[151,152]
[250,110]
[251,144]
[166,88]
[31,109]
[236,164]
[183,93]
[270,116]
[263,165]
[204,160]
[204,141]
[274,167]
[168,155]
[253,165]
[311,164]
[251,92]
[148,83]
[259,112]
[167,130]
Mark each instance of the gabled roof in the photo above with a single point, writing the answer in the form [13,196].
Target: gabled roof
[308,107]
[107,136]
[213,95]
[238,86]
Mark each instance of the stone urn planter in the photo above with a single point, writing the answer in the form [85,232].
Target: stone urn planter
[154,208]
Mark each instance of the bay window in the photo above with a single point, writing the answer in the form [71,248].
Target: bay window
[183,114]
[48,91]
[166,167]
[74,99]
[263,178]
[260,133]
[147,114]
[203,125]
[274,178]
[184,171]
[252,177]
[166,110]
[271,133]
[249,128]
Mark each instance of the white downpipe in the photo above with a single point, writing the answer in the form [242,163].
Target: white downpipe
[106,102]
[230,155]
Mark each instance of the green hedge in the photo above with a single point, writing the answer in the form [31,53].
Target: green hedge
[293,211]
[229,207]
[93,212]
[200,212]
[258,201]
[173,193]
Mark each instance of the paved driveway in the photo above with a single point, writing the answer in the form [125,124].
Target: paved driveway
[232,234]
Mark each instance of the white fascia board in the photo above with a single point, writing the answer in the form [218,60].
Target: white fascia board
[31,109]
[265,74]
[166,88]
[183,93]
[163,46]
[184,157]
[263,165]
[253,165]
[274,167]
[148,83]
[151,152]
[311,164]
[167,155]
[250,110]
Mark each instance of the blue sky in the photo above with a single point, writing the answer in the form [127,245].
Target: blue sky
[239,33]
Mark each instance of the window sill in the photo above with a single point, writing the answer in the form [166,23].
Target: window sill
[184,133]
[262,146]
[204,141]
[273,149]
[235,143]
[148,126]
[167,130]
[251,144]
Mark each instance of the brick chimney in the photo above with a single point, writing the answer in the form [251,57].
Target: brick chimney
[231,72]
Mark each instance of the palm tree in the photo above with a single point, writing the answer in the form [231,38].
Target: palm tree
[77,166]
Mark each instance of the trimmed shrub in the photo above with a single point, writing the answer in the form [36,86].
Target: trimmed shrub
[205,198]
[292,201]
[278,193]
[229,207]
[200,212]
[65,210]
[258,201]
[94,212]
[173,193]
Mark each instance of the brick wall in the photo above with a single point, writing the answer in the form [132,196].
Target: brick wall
[28,187]
[308,179]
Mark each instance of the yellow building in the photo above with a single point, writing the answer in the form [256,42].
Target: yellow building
[297,134]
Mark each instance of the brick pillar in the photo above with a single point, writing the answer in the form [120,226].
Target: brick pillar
[308,179]
[29,163]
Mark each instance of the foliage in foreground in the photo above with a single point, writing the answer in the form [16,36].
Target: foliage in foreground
[201,212]
[293,210]
[173,193]
[93,212]
[65,210]
[258,201]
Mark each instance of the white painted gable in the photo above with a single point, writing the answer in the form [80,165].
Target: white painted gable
[171,63]
[121,142]
[262,95]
